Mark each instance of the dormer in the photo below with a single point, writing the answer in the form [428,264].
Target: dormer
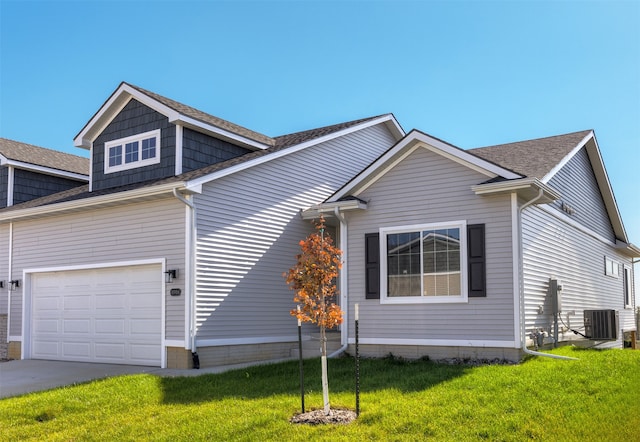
[28,172]
[138,136]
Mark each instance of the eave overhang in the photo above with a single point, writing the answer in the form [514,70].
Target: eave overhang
[43,169]
[329,209]
[630,250]
[115,199]
[527,188]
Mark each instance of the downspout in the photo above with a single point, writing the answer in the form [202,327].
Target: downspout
[523,338]
[343,280]
[9,273]
[192,294]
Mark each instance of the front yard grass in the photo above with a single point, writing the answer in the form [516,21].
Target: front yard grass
[596,398]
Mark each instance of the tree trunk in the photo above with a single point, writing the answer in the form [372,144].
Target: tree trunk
[325,377]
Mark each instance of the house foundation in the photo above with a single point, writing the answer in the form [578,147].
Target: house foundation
[439,353]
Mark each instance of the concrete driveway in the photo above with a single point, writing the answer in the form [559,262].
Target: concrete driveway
[26,376]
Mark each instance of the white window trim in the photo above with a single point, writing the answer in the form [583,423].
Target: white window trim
[615,265]
[627,276]
[464,296]
[133,165]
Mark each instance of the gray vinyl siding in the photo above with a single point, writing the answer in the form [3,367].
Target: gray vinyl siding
[249,227]
[144,230]
[4,185]
[555,249]
[134,118]
[578,187]
[200,150]
[28,185]
[428,188]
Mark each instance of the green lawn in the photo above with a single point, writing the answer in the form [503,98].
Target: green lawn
[596,398]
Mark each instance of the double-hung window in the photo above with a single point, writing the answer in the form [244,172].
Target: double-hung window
[424,263]
[131,152]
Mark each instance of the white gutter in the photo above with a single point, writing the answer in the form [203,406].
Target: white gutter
[344,293]
[83,203]
[191,279]
[523,337]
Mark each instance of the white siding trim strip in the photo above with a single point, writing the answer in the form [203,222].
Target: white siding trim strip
[175,343]
[436,342]
[179,135]
[14,338]
[10,185]
[246,341]
[284,152]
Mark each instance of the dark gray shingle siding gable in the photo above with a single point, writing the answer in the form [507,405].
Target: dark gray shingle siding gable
[200,150]
[4,184]
[135,118]
[28,185]
[577,184]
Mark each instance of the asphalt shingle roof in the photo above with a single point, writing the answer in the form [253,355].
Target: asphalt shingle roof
[40,156]
[281,143]
[207,118]
[531,158]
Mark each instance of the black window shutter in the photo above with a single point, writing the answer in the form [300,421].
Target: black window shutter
[372,265]
[476,261]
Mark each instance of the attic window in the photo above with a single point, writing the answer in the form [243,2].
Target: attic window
[131,152]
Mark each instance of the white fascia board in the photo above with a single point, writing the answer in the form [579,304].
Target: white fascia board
[116,102]
[124,94]
[409,144]
[284,152]
[567,158]
[630,250]
[47,170]
[467,159]
[91,202]
[217,132]
[316,210]
[518,186]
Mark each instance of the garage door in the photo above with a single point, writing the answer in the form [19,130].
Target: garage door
[109,315]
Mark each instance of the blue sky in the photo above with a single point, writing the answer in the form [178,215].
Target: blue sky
[471,73]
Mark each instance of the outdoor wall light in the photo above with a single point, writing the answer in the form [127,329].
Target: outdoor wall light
[1,284]
[170,275]
[15,283]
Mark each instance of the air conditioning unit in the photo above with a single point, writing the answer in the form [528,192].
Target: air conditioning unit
[601,325]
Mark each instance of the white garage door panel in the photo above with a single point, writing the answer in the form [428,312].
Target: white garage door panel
[110,315]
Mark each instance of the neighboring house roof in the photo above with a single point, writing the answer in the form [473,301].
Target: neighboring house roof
[532,158]
[25,155]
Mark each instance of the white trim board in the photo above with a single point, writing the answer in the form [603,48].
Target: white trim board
[437,342]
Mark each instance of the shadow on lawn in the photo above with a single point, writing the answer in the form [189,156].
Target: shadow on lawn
[283,378]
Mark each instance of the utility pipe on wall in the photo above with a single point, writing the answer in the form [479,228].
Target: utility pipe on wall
[523,337]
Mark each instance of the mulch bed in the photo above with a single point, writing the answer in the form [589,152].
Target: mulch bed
[317,417]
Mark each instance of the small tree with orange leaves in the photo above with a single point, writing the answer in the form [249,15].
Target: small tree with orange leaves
[314,280]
